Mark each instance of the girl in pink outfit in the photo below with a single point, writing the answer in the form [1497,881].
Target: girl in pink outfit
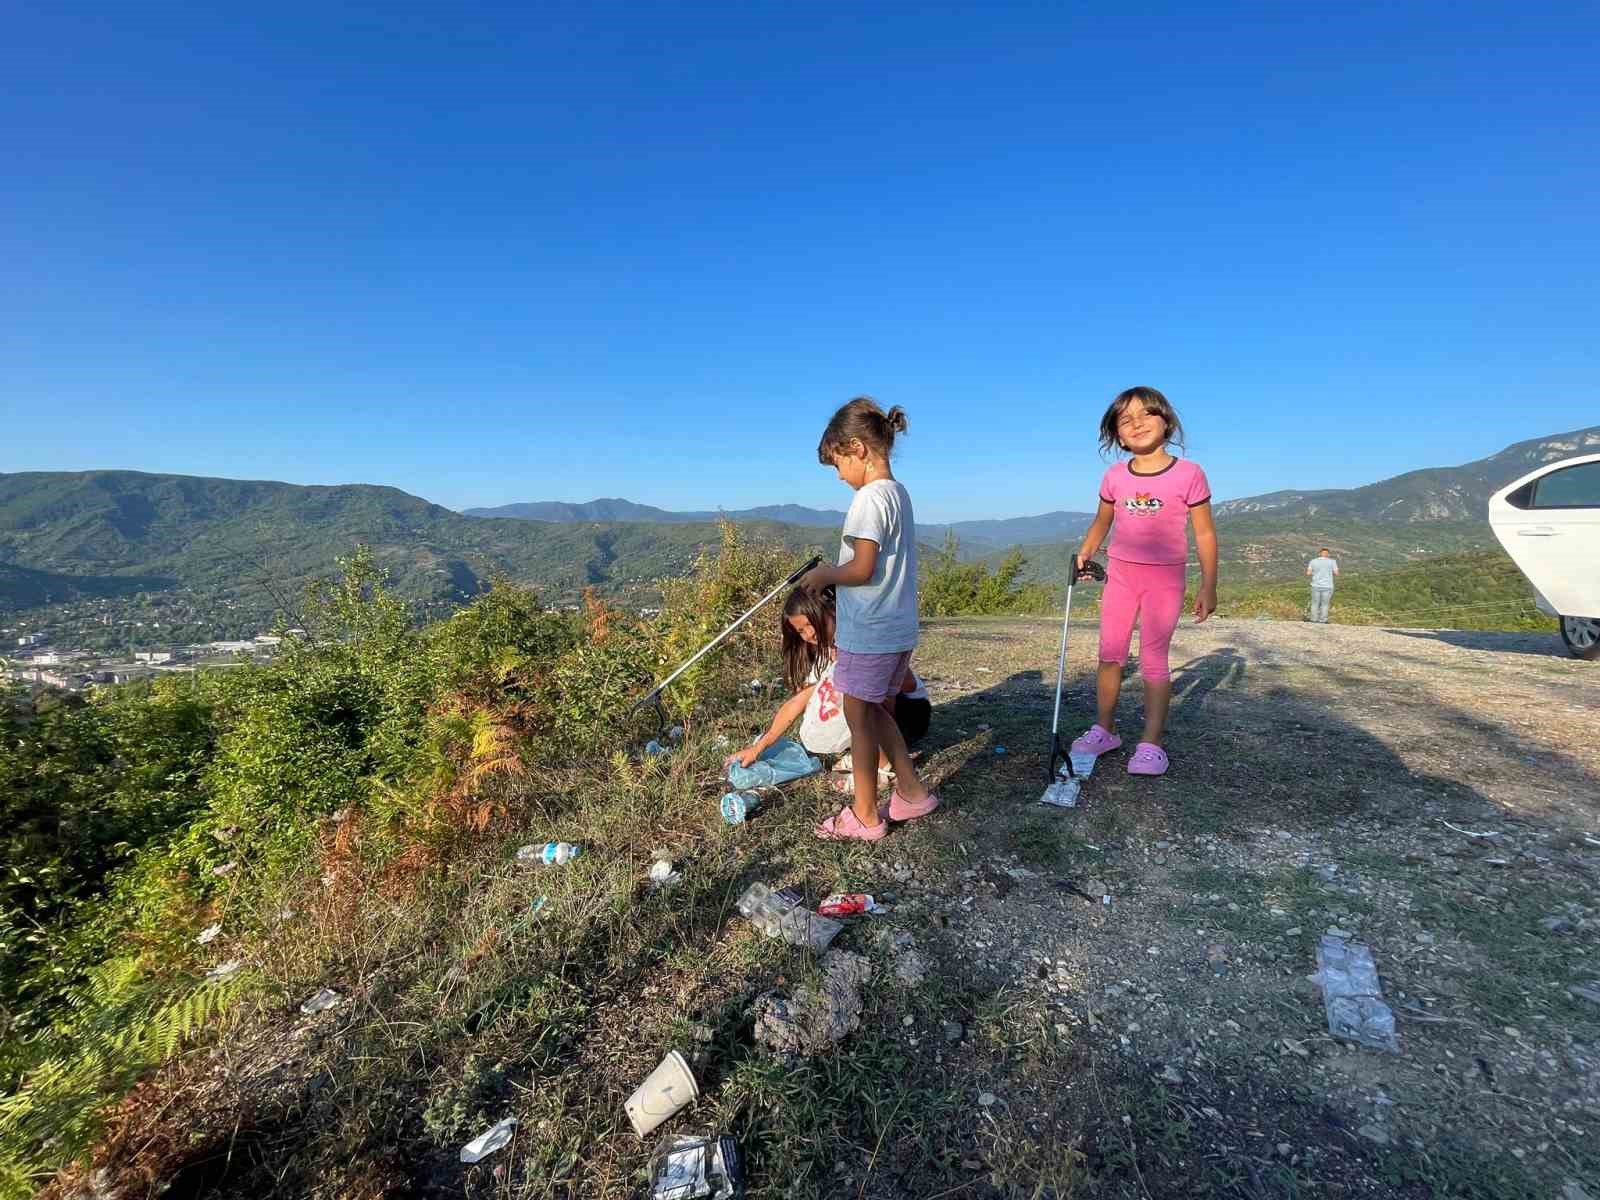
[1146,503]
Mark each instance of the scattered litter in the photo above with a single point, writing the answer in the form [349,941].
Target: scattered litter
[654,749]
[538,905]
[665,1090]
[1352,995]
[662,875]
[226,868]
[754,685]
[1591,841]
[324,1000]
[549,854]
[688,1168]
[987,1099]
[812,1021]
[226,833]
[675,733]
[1468,832]
[849,904]
[782,761]
[1072,889]
[1063,793]
[490,1140]
[209,934]
[781,914]
[737,806]
[224,971]
[1217,957]
[984,727]
[286,914]
[999,749]
[1591,992]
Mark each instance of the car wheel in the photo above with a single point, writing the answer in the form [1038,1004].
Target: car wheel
[1582,636]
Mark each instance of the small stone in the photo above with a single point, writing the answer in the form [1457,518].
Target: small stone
[1424,939]
[1374,1134]
[1590,992]
[1573,1190]
[1497,862]
[1170,1074]
[1293,931]
[1159,860]
[953,1032]
[1335,931]
[908,1021]
[1284,1149]
[986,1099]
[971,1164]
[1557,925]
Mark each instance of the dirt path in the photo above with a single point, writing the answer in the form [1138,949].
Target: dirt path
[1173,1037]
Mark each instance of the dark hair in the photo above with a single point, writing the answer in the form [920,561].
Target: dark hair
[800,657]
[1324,550]
[1154,403]
[863,419]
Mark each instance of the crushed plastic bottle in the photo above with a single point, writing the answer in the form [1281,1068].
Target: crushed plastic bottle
[737,806]
[654,749]
[780,914]
[1352,995]
[224,971]
[324,1000]
[549,854]
[490,1140]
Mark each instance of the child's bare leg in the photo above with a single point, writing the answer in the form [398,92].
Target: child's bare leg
[864,753]
[1157,699]
[906,780]
[1107,686]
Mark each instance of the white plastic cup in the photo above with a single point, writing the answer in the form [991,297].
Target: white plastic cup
[666,1090]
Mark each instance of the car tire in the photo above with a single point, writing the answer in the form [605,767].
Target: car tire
[1582,636]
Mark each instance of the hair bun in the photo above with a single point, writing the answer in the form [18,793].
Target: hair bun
[896,418]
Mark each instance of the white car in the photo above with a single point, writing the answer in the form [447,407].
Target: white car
[1549,523]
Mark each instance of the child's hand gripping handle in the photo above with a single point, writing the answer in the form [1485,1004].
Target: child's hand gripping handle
[1087,568]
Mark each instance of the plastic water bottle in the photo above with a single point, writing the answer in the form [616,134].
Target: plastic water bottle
[549,854]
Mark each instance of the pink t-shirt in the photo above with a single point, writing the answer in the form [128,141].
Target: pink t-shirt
[1153,510]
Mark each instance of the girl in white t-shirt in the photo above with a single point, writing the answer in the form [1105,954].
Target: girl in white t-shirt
[807,627]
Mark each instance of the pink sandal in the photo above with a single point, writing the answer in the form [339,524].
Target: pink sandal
[1148,759]
[1097,741]
[901,809]
[846,826]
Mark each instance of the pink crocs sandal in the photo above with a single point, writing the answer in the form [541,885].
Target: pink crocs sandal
[845,826]
[1096,742]
[1148,759]
[901,809]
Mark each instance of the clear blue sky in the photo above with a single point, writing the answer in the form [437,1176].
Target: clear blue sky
[554,251]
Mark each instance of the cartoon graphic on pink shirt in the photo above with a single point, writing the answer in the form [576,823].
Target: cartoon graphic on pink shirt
[1153,510]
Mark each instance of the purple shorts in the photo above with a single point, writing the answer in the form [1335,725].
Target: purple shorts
[870,677]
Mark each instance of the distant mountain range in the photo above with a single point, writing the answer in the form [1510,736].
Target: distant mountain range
[973,535]
[75,535]
[1431,494]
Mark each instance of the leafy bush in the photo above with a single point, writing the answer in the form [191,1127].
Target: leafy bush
[951,587]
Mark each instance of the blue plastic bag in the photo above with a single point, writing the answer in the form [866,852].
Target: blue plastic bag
[784,760]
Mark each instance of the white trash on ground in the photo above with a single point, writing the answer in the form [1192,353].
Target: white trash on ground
[490,1140]
[324,1000]
[780,914]
[223,971]
[1352,995]
[209,934]
[688,1168]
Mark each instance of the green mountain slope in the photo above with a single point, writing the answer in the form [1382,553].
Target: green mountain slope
[102,532]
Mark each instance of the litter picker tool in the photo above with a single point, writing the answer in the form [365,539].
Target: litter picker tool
[1063,793]
[653,696]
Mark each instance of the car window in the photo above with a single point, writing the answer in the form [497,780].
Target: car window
[1570,487]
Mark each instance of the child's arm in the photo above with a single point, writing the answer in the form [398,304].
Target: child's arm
[1205,544]
[786,716]
[1098,528]
[852,574]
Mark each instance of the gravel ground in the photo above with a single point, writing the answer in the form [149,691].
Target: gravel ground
[1317,774]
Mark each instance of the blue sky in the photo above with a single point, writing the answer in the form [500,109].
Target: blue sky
[495,253]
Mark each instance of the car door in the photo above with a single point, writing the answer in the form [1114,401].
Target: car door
[1549,522]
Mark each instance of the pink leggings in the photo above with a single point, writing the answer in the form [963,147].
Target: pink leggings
[1153,592]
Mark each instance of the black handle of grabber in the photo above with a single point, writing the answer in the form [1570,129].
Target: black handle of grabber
[1090,570]
[656,691]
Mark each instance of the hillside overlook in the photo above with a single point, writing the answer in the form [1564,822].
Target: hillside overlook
[85,535]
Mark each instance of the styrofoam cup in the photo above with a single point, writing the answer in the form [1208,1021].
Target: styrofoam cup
[667,1089]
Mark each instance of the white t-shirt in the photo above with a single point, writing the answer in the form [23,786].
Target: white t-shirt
[823,729]
[1322,571]
[880,616]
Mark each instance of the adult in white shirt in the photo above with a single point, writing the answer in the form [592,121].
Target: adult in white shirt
[1321,570]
